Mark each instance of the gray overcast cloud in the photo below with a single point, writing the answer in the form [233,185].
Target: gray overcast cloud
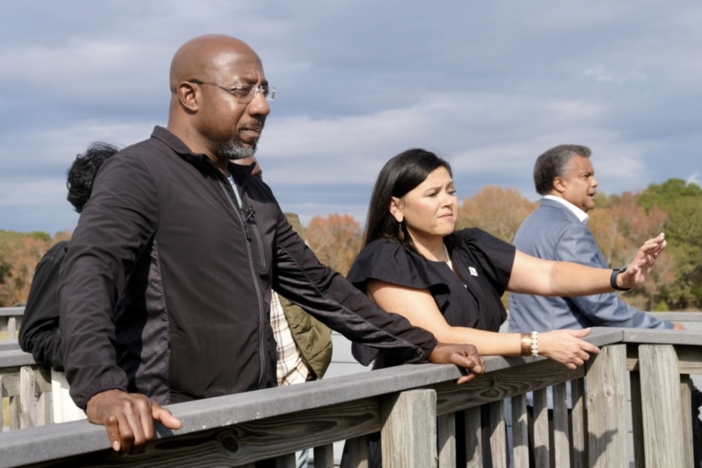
[489,86]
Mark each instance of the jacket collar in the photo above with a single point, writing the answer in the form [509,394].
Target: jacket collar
[550,200]
[197,159]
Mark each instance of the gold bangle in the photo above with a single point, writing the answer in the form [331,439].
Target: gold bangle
[526,344]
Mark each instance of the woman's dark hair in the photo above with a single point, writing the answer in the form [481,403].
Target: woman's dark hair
[82,172]
[399,176]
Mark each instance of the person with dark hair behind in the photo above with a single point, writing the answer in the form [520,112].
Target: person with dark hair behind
[449,281]
[39,333]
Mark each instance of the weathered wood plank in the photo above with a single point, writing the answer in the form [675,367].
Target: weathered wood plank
[229,446]
[686,405]
[286,461]
[11,377]
[660,392]
[561,432]
[579,423]
[358,452]
[637,410]
[446,429]
[689,358]
[505,384]
[408,434]
[324,456]
[606,403]
[2,406]
[474,440]
[26,397]
[541,447]
[498,434]
[520,432]
[14,413]
[12,328]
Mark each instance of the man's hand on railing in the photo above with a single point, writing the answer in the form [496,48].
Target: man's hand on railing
[679,326]
[128,418]
[640,267]
[462,355]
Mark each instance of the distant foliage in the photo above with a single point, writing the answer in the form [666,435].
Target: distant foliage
[19,255]
[619,223]
[336,240]
[496,210]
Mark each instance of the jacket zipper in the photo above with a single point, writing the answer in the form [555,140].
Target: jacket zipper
[261,315]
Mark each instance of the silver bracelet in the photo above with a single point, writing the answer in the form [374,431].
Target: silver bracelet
[535,343]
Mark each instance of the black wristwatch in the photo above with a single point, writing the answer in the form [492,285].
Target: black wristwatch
[613,279]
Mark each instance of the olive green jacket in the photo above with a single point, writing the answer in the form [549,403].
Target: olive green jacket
[311,336]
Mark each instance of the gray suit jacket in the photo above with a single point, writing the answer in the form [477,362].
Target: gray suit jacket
[553,232]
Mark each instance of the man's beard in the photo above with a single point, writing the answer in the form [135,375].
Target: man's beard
[234,150]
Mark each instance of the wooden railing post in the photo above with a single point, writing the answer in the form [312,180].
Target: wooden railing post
[664,444]
[606,408]
[520,432]
[447,440]
[12,328]
[498,434]
[324,456]
[579,423]
[542,446]
[408,429]
[474,437]
[561,432]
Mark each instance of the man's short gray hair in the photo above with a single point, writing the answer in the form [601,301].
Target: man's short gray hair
[552,164]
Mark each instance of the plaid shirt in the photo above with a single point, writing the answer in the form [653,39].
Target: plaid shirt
[291,369]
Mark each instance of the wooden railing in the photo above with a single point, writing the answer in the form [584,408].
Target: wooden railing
[414,406]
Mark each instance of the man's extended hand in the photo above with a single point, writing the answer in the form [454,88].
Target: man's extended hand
[462,355]
[128,418]
[640,267]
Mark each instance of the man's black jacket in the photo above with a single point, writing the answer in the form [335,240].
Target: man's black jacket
[164,227]
[39,333]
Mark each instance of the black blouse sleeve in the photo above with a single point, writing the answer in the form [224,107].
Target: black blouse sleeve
[392,263]
[494,257]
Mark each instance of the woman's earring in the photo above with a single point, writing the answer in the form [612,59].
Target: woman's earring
[400,232]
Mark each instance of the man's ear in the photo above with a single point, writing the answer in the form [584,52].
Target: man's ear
[189,96]
[559,184]
[396,209]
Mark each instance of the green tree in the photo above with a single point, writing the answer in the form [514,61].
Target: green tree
[683,203]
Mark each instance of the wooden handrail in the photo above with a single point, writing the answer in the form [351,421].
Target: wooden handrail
[237,430]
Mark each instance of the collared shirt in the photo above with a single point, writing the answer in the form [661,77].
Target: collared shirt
[580,214]
[291,369]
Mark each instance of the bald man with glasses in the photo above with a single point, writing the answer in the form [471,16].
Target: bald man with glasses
[195,245]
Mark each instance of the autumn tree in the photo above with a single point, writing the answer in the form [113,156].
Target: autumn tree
[496,210]
[19,255]
[336,240]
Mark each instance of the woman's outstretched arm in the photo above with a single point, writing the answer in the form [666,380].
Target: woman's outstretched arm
[418,306]
[531,275]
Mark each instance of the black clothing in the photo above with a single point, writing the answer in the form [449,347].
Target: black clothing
[470,297]
[164,227]
[473,300]
[39,333]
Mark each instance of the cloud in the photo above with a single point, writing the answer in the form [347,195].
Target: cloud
[604,76]
[487,85]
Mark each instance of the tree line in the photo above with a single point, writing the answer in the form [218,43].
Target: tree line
[619,223]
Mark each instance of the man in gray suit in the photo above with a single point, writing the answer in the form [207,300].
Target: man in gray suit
[556,230]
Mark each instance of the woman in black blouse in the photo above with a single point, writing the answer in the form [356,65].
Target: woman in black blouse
[449,282]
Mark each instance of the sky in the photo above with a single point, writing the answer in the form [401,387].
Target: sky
[487,85]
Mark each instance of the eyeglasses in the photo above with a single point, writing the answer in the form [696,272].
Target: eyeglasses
[244,94]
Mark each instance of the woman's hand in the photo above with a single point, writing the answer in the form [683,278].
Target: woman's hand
[640,267]
[566,347]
